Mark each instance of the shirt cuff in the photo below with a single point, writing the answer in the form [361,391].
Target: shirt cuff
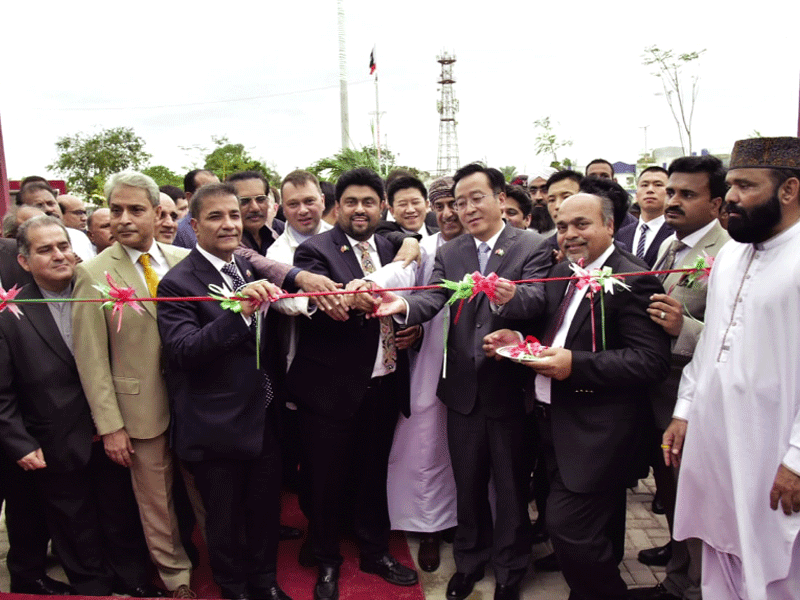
[402,319]
[681,411]
[791,460]
[288,281]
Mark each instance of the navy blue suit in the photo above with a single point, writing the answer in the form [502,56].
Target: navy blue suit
[220,426]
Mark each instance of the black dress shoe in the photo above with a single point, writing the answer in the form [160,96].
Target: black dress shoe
[44,586]
[146,590]
[539,533]
[461,585]
[272,592]
[657,507]
[428,554]
[386,566]
[506,592]
[547,563]
[327,586]
[656,557]
[289,533]
[658,592]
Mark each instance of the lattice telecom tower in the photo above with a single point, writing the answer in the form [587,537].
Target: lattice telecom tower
[447,159]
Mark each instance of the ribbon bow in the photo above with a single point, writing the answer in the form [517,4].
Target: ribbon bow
[118,298]
[701,270]
[7,298]
[227,300]
[597,280]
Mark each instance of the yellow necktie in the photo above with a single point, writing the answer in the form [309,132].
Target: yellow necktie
[150,275]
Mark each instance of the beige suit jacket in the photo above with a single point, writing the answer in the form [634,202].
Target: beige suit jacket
[693,300]
[121,370]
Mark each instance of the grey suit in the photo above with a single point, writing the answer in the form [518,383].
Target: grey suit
[486,406]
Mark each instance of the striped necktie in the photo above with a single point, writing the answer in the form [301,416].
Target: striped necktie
[642,240]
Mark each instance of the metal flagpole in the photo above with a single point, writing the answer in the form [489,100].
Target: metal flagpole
[5,196]
[345,117]
[378,119]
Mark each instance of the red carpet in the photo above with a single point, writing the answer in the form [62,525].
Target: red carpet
[295,580]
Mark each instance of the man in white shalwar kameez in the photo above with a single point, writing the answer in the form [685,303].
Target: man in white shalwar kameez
[736,426]
[420,485]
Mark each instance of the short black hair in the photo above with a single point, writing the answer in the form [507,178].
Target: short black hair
[611,190]
[207,191]
[600,161]
[403,183]
[327,189]
[653,169]
[708,164]
[244,175]
[562,175]
[173,191]
[360,176]
[189,184]
[523,198]
[31,185]
[496,179]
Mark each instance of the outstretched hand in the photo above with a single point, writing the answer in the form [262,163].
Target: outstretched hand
[389,304]
[499,339]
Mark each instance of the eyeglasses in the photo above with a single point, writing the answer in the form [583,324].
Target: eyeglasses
[475,200]
[245,200]
[535,189]
[440,206]
[80,213]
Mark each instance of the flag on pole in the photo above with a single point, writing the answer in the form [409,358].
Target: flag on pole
[372,64]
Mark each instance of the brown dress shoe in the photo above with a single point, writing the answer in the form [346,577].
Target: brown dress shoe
[428,555]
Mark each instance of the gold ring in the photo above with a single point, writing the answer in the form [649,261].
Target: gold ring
[665,446]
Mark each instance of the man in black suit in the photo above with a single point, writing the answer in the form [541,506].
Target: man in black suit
[225,425]
[27,531]
[588,394]
[408,204]
[643,238]
[349,381]
[46,427]
[485,400]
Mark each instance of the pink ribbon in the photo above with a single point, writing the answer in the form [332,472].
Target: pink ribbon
[487,285]
[5,296]
[122,297]
[585,278]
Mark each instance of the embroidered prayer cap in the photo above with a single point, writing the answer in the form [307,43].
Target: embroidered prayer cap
[768,153]
[441,188]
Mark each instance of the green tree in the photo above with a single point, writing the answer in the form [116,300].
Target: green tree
[680,88]
[332,167]
[164,175]
[228,158]
[87,160]
[547,142]
[509,173]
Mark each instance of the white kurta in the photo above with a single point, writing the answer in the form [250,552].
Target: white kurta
[741,397]
[420,486]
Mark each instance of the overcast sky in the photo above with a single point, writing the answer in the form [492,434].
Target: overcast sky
[265,74]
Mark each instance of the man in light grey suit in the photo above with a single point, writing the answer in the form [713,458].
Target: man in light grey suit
[695,191]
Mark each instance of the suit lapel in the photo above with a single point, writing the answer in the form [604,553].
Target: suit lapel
[42,321]
[507,237]
[350,256]
[125,274]
[585,307]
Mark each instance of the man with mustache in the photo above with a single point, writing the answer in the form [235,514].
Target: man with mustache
[736,426]
[695,191]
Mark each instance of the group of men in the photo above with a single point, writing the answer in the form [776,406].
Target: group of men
[403,412]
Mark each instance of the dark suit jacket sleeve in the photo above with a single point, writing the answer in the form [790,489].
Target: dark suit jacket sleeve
[187,344]
[392,232]
[645,353]
[529,298]
[15,439]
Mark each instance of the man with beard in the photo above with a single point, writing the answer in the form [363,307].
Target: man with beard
[736,426]
[537,186]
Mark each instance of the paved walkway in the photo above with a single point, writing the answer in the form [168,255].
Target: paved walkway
[644,530]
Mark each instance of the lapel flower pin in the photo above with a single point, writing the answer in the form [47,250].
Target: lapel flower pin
[248,273]
[344,249]
[500,252]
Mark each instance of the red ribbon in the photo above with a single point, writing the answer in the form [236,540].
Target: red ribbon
[487,285]
[122,297]
[5,296]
